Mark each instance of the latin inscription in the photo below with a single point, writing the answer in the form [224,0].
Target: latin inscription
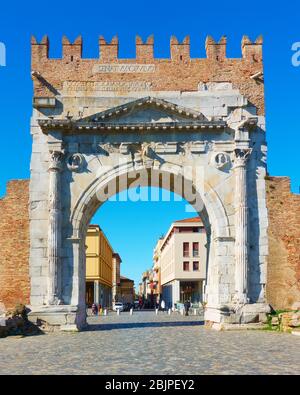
[106,86]
[124,68]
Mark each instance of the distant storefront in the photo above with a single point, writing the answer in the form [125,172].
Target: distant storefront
[99,268]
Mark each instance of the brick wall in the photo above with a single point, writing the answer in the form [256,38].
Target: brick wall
[180,72]
[14,244]
[283,285]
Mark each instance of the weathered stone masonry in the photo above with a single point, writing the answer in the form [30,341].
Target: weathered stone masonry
[283,285]
[107,118]
[96,120]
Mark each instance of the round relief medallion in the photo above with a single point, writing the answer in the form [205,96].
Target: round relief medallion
[220,160]
[75,162]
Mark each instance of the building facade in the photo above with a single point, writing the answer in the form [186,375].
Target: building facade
[116,282]
[145,286]
[182,261]
[156,270]
[199,122]
[99,268]
[126,290]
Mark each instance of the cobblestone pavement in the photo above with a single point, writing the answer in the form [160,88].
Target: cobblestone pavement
[149,344]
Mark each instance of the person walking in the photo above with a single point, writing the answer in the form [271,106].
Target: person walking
[163,305]
[187,305]
[94,309]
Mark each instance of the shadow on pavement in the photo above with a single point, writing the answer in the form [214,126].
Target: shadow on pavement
[131,325]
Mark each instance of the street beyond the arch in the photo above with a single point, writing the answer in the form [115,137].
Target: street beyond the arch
[146,343]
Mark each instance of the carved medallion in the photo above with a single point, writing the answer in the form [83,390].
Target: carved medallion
[220,160]
[75,162]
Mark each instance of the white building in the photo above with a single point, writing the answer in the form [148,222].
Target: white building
[183,262]
[156,269]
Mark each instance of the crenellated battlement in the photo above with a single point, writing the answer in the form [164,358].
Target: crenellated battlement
[73,75]
[144,51]
[216,50]
[108,51]
[252,50]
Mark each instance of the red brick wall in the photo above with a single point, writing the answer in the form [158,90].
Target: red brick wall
[179,72]
[283,285]
[14,244]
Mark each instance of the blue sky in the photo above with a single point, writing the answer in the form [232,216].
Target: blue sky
[277,21]
[133,228]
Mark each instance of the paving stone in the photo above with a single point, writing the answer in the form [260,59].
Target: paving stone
[148,344]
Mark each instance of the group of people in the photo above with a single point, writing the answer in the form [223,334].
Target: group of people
[162,305]
[187,306]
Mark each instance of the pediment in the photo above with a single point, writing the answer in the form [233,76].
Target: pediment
[146,110]
[147,113]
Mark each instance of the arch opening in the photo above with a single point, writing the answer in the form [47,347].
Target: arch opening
[117,180]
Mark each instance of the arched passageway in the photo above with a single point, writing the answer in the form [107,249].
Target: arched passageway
[118,179]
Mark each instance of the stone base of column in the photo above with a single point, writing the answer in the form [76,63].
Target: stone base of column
[235,316]
[60,317]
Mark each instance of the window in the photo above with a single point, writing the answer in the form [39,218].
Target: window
[195,266]
[186,266]
[195,249]
[186,247]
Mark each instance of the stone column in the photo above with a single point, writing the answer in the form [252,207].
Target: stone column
[241,225]
[114,277]
[175,291]
[54,230]
[96,292]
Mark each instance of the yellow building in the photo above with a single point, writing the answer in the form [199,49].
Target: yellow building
[99,268]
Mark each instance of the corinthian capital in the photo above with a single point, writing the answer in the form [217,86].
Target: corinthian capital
[241,156]
[56,160]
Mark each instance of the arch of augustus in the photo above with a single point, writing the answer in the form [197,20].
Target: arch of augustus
[193,126]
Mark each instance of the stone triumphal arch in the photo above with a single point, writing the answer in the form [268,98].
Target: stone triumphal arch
[193,126]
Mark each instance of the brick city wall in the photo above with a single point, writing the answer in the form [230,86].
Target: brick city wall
[283,283]
[178,73]
[14,244]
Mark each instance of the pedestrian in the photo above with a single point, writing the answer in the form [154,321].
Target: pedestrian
[187,305]
[162,305]
[94,309]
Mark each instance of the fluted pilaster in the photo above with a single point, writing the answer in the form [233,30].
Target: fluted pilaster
[54,232]
[241,225]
